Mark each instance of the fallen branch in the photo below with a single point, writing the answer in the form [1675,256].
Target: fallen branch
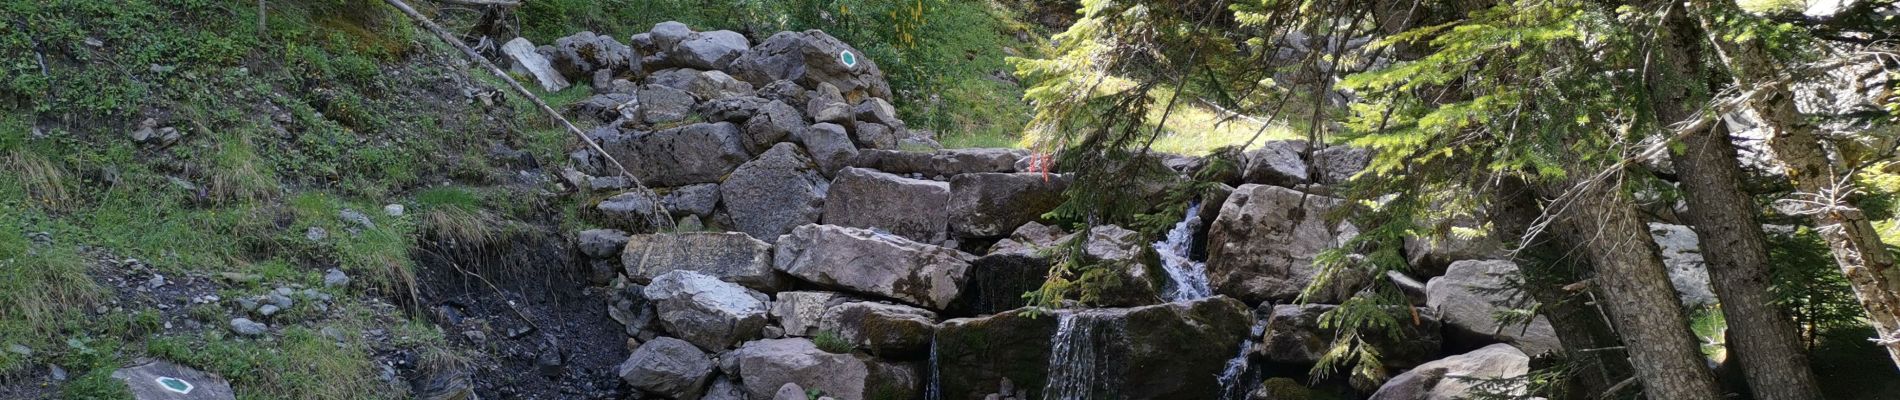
[503,3]
[660,218]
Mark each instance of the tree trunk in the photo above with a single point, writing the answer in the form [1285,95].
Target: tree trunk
[1856,245]
[1636,287]
[1587,339]
[1736,253]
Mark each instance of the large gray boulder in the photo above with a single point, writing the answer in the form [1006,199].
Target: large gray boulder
[769,196]
[1456,377]
[523,59]
[884,330]
[579,55]
[775,122]
[1261,248]
[659,104]
[713,50]
[1277,163]
[700,200]
[829,145]
[716,85]
[711,313]
[810,58]
[697,153]
[730,256]
[869,262]
[944,163]
[1682,253]
[1166,351]
[876,110]
[801,312]
[912,208]
[764,366]
[986,205]
[1337,164]
[1294,336]
[668,367]
[1470,295]
[160,380]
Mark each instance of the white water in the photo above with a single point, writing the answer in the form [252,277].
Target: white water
[1187,279]
[1072,358]
[935,389]
[1231,382]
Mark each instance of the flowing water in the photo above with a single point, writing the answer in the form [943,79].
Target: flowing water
[1187,279]
[935,389]
[1078,369]
[1234,382]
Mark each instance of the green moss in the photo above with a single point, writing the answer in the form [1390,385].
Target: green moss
[832,342]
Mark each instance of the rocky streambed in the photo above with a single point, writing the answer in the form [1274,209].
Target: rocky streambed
[826,250]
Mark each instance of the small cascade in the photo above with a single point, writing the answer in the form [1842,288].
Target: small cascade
[934,388]
[1235,383]
[1187,279]
[1078,367]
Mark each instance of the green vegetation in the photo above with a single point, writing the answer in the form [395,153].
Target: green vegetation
[832,342]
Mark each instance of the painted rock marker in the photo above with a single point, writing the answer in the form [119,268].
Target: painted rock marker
[174,384]
[849,60]
[160,380]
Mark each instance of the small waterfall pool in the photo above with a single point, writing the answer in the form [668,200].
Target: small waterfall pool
[1187,279]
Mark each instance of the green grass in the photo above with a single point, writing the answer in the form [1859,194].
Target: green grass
[1710,327]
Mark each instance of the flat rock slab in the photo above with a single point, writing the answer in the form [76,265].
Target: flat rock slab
[159,380]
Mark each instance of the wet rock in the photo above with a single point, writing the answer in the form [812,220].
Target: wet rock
[912,208]
[526,61]
[1294,336]
[810,58]
[995,283]
[697,153]
[1470,295]
[729,256]
[995,204]
[1261,248]
[602,243]
[941,162]
[1167,351]
[661,104]
[160,380]
[1682,253]
[668,367]
[800,313]
[830,146]
[700,200]
[1277,163]
[885,330]
[874,263]
[1455,377]
[769,196]
[706,311]
[764,366]
[775,122]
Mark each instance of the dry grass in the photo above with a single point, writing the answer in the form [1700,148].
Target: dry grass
[45,182]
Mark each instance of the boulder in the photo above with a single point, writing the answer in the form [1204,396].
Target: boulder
[709,50]
[607,107]
[1453,377]
[764,366]
[1277,163]
[676,78]
[801,312]
[1430,255]
[829,145]
[876,110]
[912,208]
[872,135]
[943,163]
[810,58]
[711,313]
[775,122]
[1682,253]
[996,283]
[700,200]
[160,380]
[1469,296]
[1261,248]
[1167,351]
[579,55]
[769,196]
[602,243]
[661,104]
[715,85]
[1337,164]
[523,59]
[885,330]
[697,153]
[730,256]
[1133,279]
[667,34]
[992,204]
[1294,336]
[785,91]
[668,367]
[732,109]
[633,209]
[825,104]
[875,263]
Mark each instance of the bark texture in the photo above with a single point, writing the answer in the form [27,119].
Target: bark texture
[1586,336]
[1857,249]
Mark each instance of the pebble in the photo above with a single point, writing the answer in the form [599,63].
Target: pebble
[54,371]
[247,327]
[281,301]
[335,278]
[20,349]
[475,336]
[157,281]
[356,217]
[267,310]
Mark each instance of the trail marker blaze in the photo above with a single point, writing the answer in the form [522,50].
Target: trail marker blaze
[849,60]
[175,384]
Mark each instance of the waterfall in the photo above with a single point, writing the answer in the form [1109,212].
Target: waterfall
[1080,366]
[1187,279]
[1232,384]
[934,390]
